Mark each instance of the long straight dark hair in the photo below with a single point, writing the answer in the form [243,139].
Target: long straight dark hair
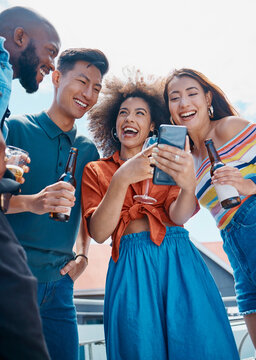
[221,105]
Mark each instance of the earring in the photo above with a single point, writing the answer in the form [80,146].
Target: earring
[114,134]
[153,133]
[171,120]
[210,111]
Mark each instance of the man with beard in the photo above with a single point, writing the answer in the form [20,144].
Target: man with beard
[48,137]
[28,46]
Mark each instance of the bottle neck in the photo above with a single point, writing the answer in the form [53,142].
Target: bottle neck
[212,152]
[71,164]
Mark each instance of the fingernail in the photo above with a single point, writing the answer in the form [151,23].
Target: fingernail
[154,155]
[161,146]
[152,161]
[155,150]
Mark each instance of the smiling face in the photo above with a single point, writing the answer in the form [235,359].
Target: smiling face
[188,103]
[77,90]
[37,59]
[133,125]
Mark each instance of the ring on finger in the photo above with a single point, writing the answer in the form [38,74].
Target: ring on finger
[177,157]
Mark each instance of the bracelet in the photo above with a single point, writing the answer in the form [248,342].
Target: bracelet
[82,256]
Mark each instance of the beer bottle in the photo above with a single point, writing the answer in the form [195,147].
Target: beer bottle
[67,176]
[227,194]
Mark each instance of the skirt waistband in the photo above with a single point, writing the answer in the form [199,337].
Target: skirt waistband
[144,236]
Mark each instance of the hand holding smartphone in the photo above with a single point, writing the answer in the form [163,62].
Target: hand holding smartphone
[173,135]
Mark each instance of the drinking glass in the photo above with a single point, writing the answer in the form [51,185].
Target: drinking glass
[16,159]
[145,199]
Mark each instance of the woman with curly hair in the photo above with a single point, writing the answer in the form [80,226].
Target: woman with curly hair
[160,300]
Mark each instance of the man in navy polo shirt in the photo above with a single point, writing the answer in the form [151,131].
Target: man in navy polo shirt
[48,137]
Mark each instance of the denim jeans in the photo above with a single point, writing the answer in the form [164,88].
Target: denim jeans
[239,243]
[55,299]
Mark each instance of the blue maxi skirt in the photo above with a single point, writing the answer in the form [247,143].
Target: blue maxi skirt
[162,303]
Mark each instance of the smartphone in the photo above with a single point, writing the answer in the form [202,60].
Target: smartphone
[171,135]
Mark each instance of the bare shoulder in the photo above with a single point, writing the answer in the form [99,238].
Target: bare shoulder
[228,127]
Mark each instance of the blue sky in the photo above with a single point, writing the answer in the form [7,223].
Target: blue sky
[217,38]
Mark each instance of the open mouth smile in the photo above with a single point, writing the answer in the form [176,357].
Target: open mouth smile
[80,103]
[129,131]
[188,114]
[44,71]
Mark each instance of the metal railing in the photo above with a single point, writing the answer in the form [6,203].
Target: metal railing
[236,319]
[90,344]
[96,311]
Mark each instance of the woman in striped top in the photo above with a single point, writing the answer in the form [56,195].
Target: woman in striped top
[200,105]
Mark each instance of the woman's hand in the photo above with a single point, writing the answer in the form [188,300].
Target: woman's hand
[177,163]
[137,168]
[230,175]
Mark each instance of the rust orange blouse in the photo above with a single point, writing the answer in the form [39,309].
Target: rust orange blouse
[95,181]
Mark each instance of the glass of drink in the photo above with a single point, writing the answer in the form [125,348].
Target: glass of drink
[16,159]
[145,198]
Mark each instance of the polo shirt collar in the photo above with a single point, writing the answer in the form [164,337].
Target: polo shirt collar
[52,130]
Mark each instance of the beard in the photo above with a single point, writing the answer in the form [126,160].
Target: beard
[28,64]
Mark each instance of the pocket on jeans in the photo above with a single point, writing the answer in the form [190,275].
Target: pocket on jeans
[247,219]
[69,278]
[245,242]
[235,253]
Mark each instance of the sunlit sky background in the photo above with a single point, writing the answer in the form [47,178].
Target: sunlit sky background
[216,37]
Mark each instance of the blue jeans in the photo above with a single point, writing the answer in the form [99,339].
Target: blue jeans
[239,243]
[55,299]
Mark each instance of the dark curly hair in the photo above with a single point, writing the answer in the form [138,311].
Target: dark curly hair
[102,117]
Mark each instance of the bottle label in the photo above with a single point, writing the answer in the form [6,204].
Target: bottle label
[69,208]
[225,191]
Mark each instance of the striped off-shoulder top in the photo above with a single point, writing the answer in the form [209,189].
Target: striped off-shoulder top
[239,152]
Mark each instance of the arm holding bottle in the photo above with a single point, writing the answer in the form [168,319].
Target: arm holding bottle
[232,176]
[53,198]
[226,129]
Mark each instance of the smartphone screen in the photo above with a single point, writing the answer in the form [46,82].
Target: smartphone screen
[173,135]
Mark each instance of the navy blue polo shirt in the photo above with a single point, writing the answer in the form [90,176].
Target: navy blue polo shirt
[48,243]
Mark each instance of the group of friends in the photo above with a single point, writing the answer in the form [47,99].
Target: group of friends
[161,302]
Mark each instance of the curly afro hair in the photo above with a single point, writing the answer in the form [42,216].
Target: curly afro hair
[102,117]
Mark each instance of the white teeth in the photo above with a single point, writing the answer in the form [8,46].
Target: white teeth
[188,114]
[130,129]
[42,72]
[80,103]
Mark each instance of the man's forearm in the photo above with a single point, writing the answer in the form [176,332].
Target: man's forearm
[19,203]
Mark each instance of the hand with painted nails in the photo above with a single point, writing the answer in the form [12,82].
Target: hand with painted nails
[230,175]
[177,163]
[137,168]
